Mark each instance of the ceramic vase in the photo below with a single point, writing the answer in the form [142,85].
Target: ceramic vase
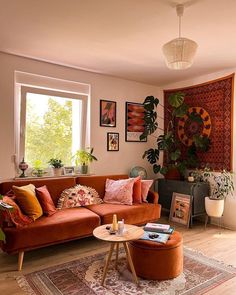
[57,171]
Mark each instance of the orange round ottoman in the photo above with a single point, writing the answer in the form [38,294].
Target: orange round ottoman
[156,261]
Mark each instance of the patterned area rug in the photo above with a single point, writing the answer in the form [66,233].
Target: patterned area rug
[83,277]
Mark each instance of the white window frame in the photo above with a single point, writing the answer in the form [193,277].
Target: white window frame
[23,93]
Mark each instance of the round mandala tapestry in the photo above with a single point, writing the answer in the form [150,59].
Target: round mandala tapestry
[197,121]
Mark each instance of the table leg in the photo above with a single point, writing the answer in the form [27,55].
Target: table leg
[117,253]
[129,259]
[107,262]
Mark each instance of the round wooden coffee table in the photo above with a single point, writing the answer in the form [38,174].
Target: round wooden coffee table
[131,233]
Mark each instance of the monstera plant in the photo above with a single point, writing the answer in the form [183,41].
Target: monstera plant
[169,143]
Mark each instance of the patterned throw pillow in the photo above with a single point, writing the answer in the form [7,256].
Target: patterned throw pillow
[14,217]
[78,196]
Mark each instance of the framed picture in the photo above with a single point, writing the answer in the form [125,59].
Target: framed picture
[134,121]
[107,113]
[113,141]
[180,210]
[69,170]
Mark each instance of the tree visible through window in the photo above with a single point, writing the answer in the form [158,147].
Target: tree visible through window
[49,128]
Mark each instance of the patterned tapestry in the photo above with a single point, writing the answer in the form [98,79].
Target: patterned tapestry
[213,101]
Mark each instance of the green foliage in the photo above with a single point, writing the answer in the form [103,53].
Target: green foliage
[180,111]
[2,236]
[84,157]
[56,163]
[152,155]
[168,142]
[176,99]
[221,183]
[50,137]
[150,116]
[175,155]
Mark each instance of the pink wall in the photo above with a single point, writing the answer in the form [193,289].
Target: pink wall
[102,87]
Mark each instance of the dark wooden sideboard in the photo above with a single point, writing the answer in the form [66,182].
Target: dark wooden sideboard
[198,191]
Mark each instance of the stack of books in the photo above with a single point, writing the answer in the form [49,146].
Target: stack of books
[157,232]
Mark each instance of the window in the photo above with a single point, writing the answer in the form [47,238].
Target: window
[52,125]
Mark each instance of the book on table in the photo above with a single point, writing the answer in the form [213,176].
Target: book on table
[155,237]
[159,228]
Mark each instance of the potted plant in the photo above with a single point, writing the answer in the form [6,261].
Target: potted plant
[57,166]
[175,163]
[221,185]
[38,170]
[82,158]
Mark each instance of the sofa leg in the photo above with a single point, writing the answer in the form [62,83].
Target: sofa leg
[20,260]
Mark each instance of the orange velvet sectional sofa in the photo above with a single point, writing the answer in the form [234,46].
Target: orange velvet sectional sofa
[73,223]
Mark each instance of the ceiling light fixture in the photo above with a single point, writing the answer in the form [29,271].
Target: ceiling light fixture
[179,53]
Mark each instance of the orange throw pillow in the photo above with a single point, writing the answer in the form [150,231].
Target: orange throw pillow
[15,215]
[27,200]
[45,200]
[137,192]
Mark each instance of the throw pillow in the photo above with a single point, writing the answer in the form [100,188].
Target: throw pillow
[45,200]
[145,186]
[119,191]
[14,216]
[78,196]
[27,200]
[137,192]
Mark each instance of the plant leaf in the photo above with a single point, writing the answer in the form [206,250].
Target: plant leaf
[175,155]
[156,168]
[163,170]
[2,236]
[181,110]
[152,155]
[176,99]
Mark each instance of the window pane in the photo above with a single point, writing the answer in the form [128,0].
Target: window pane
[53,130]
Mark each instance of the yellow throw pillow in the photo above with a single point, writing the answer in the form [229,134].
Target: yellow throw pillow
[27,200]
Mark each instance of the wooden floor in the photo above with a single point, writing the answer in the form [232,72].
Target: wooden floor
[213,242]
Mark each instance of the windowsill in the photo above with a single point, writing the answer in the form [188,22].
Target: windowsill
[52,176]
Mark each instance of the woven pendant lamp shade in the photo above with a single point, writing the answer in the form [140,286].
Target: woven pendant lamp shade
[179,53]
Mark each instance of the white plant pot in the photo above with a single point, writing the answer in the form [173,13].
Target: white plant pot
[57,171]
[214,208]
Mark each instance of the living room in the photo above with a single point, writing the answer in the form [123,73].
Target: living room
[112,51]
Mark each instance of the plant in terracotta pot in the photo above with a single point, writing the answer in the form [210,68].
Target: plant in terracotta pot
[82,158]
[175,163]
[57,166]
[221,186]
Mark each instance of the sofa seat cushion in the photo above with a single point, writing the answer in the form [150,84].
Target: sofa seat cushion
[135,214]
[65,224]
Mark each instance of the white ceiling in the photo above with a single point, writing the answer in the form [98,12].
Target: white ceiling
[122,38]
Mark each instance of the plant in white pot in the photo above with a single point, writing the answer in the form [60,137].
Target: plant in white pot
[57,166]
[221,185]
[82,158]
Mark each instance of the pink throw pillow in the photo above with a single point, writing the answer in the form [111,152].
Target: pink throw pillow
[145,186]
[119,191]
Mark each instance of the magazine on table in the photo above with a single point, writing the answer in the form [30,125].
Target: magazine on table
[156,237]
[159,228]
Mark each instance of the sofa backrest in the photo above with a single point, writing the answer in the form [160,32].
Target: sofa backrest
[55,185]
[98,182]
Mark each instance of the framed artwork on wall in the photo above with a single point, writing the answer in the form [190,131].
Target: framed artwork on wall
[113,141]
[180,210]
[107,113]
[134,121]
